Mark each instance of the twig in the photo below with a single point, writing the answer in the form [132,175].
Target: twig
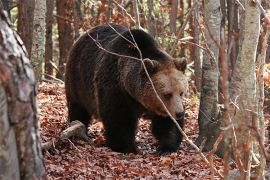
[262,10]
[212,59]
[212,152]
[242,6]
[123,9]
[54,78]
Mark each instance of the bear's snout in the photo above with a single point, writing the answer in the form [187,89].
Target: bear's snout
[180,115]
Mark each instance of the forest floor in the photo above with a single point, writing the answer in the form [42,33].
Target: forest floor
[76,159]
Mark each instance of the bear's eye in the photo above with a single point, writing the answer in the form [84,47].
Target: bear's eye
[167,96]
[181,94]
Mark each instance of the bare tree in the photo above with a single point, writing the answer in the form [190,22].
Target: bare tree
[151,18]
[20,153]
[38,43]
[208,112]
[25,22]
[64,19]
[173,16]
[49,43]
[196,35]
[243,89]
[136,13]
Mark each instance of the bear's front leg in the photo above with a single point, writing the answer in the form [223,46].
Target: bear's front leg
[120,128]
[167,134]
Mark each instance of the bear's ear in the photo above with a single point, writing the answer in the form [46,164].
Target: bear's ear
[151,66]
[181,64]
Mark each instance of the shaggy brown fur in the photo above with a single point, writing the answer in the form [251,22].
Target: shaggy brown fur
[117,90]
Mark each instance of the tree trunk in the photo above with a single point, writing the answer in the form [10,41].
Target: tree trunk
[136,13]
[233,34]
[49,42]
[25,22]
[20,153]
[173,16]
[109,11]
[77,17]
[64,15]
[208,115]
[151,19]
[243,87]
[197,51]
[38,43]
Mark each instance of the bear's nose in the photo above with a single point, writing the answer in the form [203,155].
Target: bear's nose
[180,115]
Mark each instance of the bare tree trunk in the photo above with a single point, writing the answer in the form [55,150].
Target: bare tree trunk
[243,87]
[173,16]
[76,17]
[233,34]
[25,22]
[38,43]
[260,125]
[197,51]
[109,11]
[151,19]
[49,43]
[64,9]
[136,13]
[20,153]
[208,116]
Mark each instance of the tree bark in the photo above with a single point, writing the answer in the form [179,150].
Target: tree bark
[173,16]
[38,43]
[20,153]
[49,43]
[76,16]
[243,87]
[208,113]
[233,34]
[25,22]
[197,51]
[151,19]
[136,13]
[64,12]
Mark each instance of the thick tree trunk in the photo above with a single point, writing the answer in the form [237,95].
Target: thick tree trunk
[49,42]
[25,22]
[38,42]
[64,12]
[243,87]
[20,153]
[208,115]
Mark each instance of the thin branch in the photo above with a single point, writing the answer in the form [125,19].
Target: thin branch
[262,10]
[123,9]
[240,4]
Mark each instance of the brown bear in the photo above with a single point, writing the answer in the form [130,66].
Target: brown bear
[105,78]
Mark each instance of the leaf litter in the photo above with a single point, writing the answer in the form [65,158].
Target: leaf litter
[75,159]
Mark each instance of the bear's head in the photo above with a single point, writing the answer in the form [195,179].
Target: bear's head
[171,85]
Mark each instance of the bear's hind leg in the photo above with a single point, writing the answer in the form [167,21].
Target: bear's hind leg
[120,131]
[167,134]
[76,112]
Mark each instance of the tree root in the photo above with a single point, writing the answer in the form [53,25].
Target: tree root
[76,129]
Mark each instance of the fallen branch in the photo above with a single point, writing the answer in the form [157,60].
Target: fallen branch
[76,129]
